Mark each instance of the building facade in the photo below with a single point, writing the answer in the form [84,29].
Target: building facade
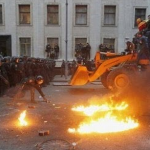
[27,26]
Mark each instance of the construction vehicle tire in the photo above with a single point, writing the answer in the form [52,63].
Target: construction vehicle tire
[118,79]
[104,79]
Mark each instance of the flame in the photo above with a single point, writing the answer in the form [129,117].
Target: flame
[22,120]
[72,130]
[90,110]
[107,124]
[110,122]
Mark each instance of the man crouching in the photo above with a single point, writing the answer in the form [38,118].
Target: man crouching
[31,84]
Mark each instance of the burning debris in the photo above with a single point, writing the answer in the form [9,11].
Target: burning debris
[117,112]
[108,117]
[22,120]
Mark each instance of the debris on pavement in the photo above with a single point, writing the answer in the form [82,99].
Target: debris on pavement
[30,106]
[44,132]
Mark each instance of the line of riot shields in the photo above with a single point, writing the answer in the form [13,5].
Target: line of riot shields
[14,69]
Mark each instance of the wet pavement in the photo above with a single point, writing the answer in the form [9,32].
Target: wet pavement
[56,117]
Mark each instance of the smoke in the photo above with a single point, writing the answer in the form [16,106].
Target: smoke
[138,93]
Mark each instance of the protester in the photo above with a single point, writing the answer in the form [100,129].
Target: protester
[31,84]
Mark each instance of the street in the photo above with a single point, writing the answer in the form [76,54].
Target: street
[57,116]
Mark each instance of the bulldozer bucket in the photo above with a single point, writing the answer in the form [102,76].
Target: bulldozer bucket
[80,77]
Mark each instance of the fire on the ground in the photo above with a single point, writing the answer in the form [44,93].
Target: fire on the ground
[105,118]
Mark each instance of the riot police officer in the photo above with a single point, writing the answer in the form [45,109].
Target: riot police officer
[3,79]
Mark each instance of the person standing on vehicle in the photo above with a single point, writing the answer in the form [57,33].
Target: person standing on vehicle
[130,47]
[143,55]
[144,27]
[147,32]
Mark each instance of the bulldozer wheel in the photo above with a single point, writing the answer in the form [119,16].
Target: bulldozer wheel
[104,79]
[118,79]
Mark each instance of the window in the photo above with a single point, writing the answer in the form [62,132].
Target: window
[139,13]
[109,15]
[52,41]
[52,14]
[24,14]
[80,49]
[83,41]
[1,15]
[80,43]
[110,43]
[54,48]
[25,46]
[81,15]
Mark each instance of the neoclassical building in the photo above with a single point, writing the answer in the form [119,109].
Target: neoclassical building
[26,26]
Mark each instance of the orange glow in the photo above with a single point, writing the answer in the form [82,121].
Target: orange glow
[22,120]
[111,121]
[72,130]
[90,110]
[107,124]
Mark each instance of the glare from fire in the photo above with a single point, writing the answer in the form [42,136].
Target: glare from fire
[109,122]
[22,120]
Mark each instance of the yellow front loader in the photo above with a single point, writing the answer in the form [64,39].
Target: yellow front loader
[102,69]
